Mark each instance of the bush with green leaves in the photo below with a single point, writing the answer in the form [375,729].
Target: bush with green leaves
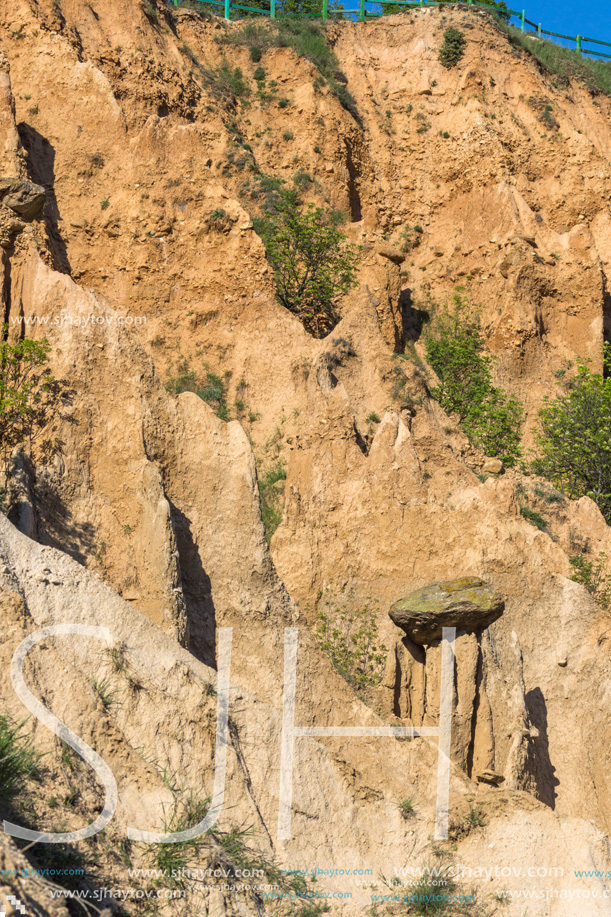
[347,631]
[453,47]
[574,437]
[490,417]
[30,396]
[313,264]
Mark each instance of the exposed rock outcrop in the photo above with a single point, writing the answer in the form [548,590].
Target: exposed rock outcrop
[467,603]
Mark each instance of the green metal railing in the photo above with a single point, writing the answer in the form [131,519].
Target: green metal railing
[361,13]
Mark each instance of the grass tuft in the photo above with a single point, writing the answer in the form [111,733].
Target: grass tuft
[18,760]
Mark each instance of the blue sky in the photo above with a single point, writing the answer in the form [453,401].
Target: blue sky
[591,18]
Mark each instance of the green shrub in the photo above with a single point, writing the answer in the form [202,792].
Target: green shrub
[312,263]
[347,631]
[592,574]
[475,817]
[574,439]
[226,83]
[453,47]
[271,498]
[219,220]
[30,396]
[18,760]
[302,179]
[410,238]
[259,74]
[288,135]
[255,54]
[491,418]
[283,103]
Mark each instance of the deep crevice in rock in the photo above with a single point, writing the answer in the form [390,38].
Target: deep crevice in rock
[197,591]
[354,198]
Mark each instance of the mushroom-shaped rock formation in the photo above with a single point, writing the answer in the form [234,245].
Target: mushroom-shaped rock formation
[467,603]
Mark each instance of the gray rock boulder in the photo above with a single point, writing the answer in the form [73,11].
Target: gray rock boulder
[22,197]
[467,603]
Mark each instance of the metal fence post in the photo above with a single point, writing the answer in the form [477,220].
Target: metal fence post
[227,8]
[539,30]
[325,8]
[579,44]
[362,11]
[272,8]
[523,17]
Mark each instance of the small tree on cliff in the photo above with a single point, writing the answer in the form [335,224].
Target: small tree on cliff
[29,394]
[313,264]
[574,440]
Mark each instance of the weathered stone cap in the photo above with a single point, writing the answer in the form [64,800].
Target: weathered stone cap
[468,603]
[22,197]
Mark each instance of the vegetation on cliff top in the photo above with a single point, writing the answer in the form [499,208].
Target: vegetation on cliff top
[565,63]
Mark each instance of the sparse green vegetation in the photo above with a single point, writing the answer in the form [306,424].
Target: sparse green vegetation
[105,692]
[307,39]
[219,220]
[347,631]
[259,74]
[453,47]
[212,388]
[271,497]
[490,417]
[476,817]
[231,851]
[18,760]
[565,63]
[104,203]
[225,82]
[406,807]
[533,517]
[410,238]
[373,418]
[594,576]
